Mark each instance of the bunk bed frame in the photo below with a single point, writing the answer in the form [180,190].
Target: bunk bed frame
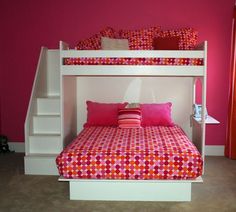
[130,190]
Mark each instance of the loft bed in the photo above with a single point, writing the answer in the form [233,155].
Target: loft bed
[135,190]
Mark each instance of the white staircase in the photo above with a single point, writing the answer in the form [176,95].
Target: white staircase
[42,126]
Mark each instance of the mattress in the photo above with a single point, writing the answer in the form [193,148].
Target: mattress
[147,153]
[134,61]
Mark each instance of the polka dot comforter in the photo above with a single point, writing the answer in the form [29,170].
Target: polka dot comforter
[147,153]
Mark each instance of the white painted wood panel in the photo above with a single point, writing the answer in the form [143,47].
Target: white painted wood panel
[133,53]
[137,89]
[39,88]
[45,144]
[130,191]
[48,106]
[47,124]
[40,164]
[53,72]
[68,109]
[127,70]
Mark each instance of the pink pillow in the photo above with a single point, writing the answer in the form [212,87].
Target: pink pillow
[187,37]
[156,114]
[103,114]
[94,42]
[140,39]
[129,118]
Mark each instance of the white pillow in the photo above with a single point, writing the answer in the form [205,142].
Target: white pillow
[114,44]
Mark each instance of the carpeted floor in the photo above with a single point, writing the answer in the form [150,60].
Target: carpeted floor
[19,192]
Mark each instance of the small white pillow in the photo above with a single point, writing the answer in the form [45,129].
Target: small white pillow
[133,105]
[114,44]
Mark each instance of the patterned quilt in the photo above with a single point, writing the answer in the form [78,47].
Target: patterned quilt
[134,61]
[154,152]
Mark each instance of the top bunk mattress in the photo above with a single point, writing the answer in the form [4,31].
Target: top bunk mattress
[133,61]
[148,153]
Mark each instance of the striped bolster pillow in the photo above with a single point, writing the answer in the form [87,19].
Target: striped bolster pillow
[129,118]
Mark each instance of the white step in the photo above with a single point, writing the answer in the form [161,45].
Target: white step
[41,164]
[46,124]
[48,105]
[45,143]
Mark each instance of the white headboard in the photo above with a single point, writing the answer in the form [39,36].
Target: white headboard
[137,89]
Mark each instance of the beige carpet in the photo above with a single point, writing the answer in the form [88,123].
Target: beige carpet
[19,192]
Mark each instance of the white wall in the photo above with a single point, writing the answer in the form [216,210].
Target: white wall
[137,89]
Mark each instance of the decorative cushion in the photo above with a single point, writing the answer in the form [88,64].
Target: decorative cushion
[140,39]
[156,114]
[114,44]
[166,43]
[94,42]
[129,118]
[103,114]
[187,37]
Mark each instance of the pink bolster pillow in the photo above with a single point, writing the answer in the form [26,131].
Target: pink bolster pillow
[156,114]
[103,114]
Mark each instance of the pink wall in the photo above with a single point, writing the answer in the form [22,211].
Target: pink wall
[27,25]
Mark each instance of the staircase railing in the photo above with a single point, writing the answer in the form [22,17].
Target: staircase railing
[39,88]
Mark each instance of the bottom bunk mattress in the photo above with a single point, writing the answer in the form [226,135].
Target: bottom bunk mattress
[146,153]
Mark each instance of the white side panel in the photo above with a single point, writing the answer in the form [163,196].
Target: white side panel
[40,165]
[68,109]
[137,89]
[47,124]
[134,53]
[132,70]
[132,191]
[53,72]
[48,106]
[47,144]
[39,88]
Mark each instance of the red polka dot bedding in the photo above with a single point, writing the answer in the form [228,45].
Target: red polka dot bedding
[148,153]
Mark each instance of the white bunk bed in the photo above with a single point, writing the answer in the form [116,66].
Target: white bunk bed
[132,190]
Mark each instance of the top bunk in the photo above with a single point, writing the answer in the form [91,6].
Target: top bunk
[176,63]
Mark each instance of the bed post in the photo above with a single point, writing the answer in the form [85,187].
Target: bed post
[68,102]
[204,89]
[199,127]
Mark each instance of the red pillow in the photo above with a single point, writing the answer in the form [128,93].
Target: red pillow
[166,43]
[156,114]
[140,39]
[103,114]
[94,42]
[187,36]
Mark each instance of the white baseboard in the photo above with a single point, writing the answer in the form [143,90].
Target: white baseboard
[214,150]
[17,146]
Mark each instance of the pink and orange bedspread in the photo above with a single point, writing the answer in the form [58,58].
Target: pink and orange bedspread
[134,61]
[145,153]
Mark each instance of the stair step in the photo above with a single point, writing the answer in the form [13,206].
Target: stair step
[41,164]
[48,105]
[45,144]
[46,124]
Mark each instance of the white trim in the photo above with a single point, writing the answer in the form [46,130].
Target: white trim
[132,70]
[133,53]
[130,190]
[17,146]
[214,150]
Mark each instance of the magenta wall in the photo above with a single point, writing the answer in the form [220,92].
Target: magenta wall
[27,25]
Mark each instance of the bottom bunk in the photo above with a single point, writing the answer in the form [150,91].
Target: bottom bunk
[154,163]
